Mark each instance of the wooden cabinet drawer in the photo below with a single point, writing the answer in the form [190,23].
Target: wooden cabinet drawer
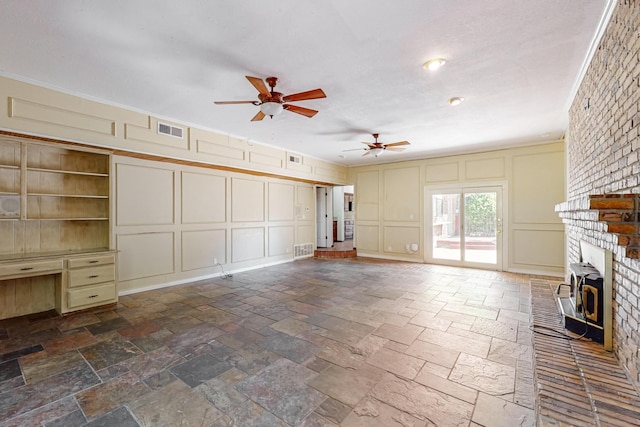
[89,276]
[90,261]
[91,295]
[30,268]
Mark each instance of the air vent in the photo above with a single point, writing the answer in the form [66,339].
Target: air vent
[169,130]
[295,159]
[303,250]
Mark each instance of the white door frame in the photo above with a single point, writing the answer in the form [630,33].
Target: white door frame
[502,213]
[324,217]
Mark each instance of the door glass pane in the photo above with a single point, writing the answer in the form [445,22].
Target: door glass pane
[446,226]
[480,227]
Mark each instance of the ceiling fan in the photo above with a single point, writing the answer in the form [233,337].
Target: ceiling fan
[376,148]
[272,103]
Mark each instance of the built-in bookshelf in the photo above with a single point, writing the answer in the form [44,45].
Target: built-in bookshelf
[54,227]
[53,197]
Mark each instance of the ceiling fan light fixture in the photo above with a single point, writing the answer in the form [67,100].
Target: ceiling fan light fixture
[271,108]
[457,100]
[434,64]
[376,151]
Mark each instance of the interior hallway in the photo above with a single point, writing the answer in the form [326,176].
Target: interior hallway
[310,343]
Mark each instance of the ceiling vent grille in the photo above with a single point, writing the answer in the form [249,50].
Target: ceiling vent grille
[169,130]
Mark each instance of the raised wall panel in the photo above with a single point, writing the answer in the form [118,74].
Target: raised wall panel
[247,200]
[220,150]
[305,234]
[280,240]
[281,198]
[484,168]
[538,248]
[442,172]
[367,238]
[397,238]
[145,255]
[538,185]
[402,194]
[200,247]
[144,195]
[324,172]
[27,110]
[305,202]
[247,244]
[265,159]
[367,196]
[204,198]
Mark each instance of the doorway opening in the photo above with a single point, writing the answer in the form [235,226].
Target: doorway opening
[335,217]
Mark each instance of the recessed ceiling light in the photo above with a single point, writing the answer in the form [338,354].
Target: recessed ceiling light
[455,101]
[434,64]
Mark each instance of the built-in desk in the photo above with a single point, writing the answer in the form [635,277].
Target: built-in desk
[68,281]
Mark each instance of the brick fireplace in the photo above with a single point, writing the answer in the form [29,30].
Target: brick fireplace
[611,222]
[603,171]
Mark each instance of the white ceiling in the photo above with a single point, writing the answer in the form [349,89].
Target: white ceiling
[515,62]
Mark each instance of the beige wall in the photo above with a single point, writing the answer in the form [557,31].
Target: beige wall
[390,203]
[174,222]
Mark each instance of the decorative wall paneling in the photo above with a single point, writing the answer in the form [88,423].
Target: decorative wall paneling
[193,220]
[40,111]
[390,210]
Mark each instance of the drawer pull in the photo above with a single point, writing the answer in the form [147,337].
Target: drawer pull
[26,268]
[93,276]
[92,296]
[93,261]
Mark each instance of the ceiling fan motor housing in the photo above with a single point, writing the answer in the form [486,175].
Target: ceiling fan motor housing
[275,97]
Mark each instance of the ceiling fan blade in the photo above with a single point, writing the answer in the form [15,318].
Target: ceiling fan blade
[258,116]
[233,102]
[354,149]
[368,144]
[310,94]
[394,148]
[366,153]
[398,143]
[258,83]
[300,110]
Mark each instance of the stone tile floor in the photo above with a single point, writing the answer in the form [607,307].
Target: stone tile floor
[308,343]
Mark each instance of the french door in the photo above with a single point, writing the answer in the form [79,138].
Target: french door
[464,226]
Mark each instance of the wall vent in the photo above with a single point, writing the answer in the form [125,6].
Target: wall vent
[303,250]
[295,159]
[169,130]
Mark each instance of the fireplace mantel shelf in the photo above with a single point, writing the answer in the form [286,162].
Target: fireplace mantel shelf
[617,213]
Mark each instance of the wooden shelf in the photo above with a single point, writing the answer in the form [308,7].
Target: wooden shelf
[64,196]
[77,196]
[67,219]
[67,172]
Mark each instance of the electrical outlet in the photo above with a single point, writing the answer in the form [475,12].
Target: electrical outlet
[215,260]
